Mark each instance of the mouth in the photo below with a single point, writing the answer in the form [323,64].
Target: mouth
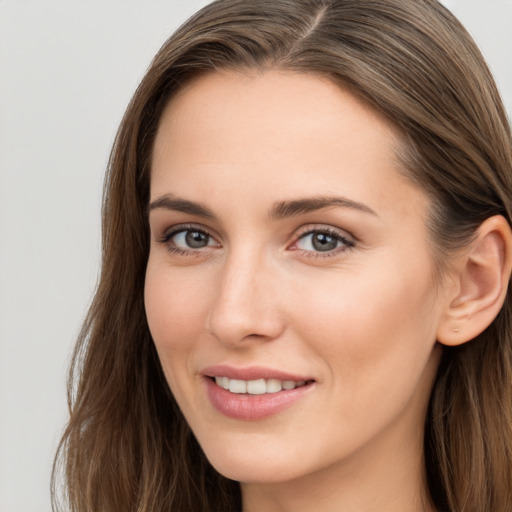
[257,386]
[254,393]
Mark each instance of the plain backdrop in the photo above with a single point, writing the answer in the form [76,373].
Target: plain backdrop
[67,71]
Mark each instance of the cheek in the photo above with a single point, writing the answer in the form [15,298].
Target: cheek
[371,321]
[176,308]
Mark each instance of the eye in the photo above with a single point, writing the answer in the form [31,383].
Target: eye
[323,241]
[191,239]
[184,240]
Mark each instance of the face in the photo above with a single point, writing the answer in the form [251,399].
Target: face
[290,264]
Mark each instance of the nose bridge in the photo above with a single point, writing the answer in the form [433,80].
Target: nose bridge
[245,304]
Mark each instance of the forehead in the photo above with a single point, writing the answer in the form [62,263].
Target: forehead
[273,102]
[273,134]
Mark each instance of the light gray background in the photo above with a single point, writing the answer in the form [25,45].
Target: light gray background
[67,71]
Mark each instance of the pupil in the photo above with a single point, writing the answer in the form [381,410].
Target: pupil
[324,242]
[196,240]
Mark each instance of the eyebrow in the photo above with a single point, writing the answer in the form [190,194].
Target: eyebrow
[280,210]
[285,209]
[171,202]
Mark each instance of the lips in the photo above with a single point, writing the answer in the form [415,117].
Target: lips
[251,373]
[253,393]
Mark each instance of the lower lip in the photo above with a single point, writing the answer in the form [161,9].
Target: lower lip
[253,407]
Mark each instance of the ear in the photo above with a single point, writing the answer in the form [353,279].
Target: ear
[481,281]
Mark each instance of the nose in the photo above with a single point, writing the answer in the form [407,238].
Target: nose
[246,306]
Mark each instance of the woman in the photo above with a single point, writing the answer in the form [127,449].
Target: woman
[306,257]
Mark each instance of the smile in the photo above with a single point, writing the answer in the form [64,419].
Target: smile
[254,393]
[258,386]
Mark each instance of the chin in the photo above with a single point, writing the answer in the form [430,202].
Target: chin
[247,471]
[241,467]
[252,464]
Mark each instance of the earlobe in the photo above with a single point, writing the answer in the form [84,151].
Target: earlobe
[482,278]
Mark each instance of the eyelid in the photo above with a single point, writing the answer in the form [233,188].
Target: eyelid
[348,240]
[170,232]
[324,228]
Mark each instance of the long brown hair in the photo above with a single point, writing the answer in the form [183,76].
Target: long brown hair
[127,446]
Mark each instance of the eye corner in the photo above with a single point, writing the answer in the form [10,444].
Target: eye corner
[330,241]
[188,240]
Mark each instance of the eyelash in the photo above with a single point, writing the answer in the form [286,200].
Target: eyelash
[346,242]
[167,239]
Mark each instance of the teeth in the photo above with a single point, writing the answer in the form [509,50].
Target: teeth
[237,386]
[223,382]
[257,387]
[274,386]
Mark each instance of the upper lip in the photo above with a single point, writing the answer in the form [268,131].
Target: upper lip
[251,373]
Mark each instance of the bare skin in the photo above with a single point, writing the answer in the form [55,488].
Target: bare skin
[342,293]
